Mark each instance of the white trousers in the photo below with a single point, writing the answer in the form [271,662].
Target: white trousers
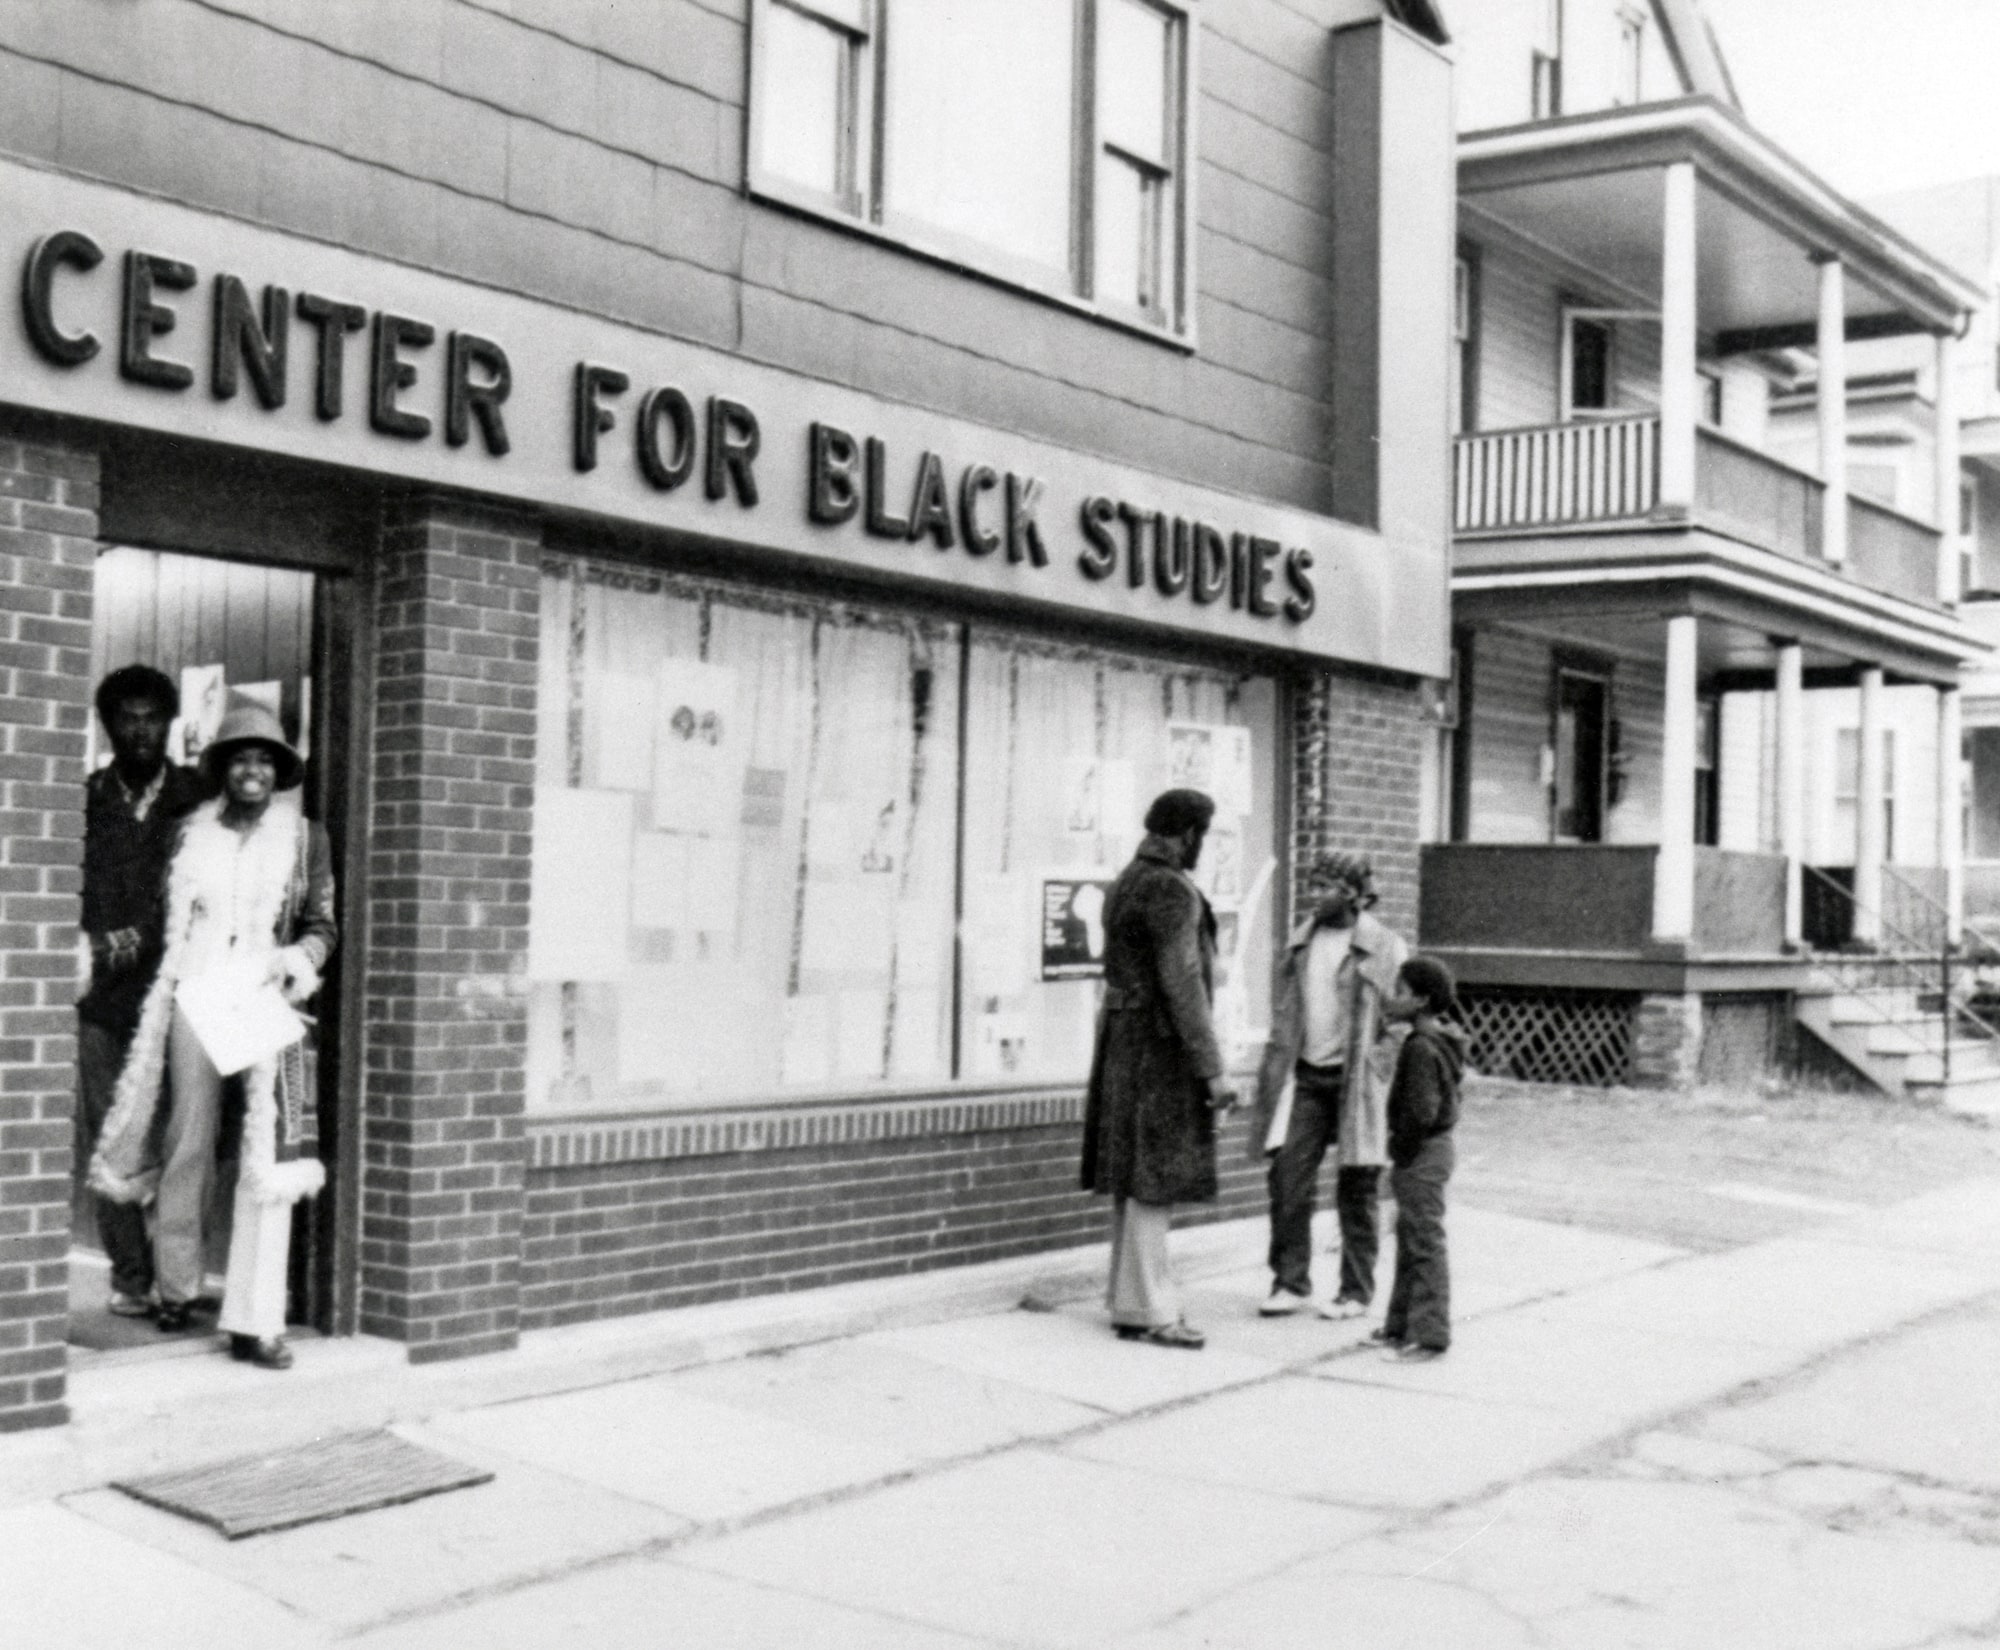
[253,1295]
[1142,1292]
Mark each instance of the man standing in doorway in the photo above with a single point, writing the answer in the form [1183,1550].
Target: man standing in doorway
[1323,1083]
[132,811]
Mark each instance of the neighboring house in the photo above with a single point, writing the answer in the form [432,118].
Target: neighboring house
[1653,806]
[743,504]
[1893,408]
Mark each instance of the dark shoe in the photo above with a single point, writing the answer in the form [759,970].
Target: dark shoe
[140,1305]
[1387,1336]
[174,1317]
[1409,1354]
[269,1353]
[1129,1331]
[1183,1335]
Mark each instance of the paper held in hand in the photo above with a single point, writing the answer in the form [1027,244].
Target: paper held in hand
[239,1018]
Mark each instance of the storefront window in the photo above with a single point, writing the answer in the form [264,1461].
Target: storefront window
[1064,749]
[744,824]
[753,848]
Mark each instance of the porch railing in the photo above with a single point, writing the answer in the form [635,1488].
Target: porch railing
[1914,969]
[1602,470]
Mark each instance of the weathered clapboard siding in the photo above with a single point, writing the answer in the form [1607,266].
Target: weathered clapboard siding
[592,153]
[1521,302]
[1513,674]
[1510,725]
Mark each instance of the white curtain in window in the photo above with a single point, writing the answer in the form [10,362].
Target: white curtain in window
[979,105]
[1064,750]
[751,807]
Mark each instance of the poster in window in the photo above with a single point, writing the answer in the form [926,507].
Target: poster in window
[1204,756]
[1100,797]
[1073,928]
[699,749]
[579,899]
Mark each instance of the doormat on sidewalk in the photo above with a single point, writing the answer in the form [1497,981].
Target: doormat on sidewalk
[355,1472]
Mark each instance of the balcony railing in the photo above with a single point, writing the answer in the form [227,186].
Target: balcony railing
[1603,470]
[1887,550]
[1607,471]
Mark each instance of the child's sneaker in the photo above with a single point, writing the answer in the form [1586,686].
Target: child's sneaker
[1282,1303]
[1343,1306]
[1411,1353]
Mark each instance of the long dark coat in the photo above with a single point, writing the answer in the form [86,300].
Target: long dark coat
[1148,1132]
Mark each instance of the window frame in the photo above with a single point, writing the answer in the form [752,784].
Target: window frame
[1071,288]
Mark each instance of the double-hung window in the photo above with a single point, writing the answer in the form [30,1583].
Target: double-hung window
[1042,142]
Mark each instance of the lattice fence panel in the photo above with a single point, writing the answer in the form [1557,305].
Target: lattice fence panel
[1580,1037]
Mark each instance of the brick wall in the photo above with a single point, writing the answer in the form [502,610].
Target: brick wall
[450,817]
[1356,748]
[639,1237]
[48,541]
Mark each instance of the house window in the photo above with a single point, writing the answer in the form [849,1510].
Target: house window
[1040,141]
[820,135]
[1631,57]
[1847,790]
[1590,365]
[1707,744]
[1465,341]
[1710,384]
[1547,86]
[1968,535]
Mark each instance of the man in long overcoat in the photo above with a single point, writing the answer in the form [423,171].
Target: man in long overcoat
[1156,1080]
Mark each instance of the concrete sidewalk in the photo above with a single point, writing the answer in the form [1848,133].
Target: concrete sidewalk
[1603,1458]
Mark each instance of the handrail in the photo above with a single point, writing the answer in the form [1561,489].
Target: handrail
[1913,956]
[1983,941]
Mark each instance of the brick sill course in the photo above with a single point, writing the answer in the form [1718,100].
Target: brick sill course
[580,1142]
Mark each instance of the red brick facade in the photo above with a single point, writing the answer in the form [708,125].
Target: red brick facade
[1356,783]
[449,842]
[48,539]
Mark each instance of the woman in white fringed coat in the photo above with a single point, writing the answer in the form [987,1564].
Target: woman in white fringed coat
[250,889]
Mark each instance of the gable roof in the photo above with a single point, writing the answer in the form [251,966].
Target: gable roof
[1691,38]
[1422,17]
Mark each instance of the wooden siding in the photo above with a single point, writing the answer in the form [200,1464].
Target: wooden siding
[1512,673]
[592,153]
[1521,302]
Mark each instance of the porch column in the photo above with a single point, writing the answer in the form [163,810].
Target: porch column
[1869,848]
[1947,471]
[1832,399]
[1673,876]
[1792,785]
[1677,341]
[1951,807]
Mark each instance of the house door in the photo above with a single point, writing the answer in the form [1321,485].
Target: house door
[1580,719]
[226,630]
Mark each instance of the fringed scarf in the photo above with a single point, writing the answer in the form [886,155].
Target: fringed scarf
[126,1167]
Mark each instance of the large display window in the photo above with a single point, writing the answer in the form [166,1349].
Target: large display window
[788,847]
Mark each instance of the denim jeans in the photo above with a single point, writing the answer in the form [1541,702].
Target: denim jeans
[1294,1178]
[1420,1298]
[121,1227]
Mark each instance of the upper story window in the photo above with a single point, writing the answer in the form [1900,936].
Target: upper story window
[1465,341]
[1631,64]
[1546,93]
[1041,141]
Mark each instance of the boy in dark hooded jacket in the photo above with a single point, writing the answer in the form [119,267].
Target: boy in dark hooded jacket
[1423,1110]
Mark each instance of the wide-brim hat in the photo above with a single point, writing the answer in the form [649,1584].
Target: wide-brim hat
[247,722]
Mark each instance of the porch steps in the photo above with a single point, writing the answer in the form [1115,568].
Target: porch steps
[1899,1047]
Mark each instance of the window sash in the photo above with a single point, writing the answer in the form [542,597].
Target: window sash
[1160,305]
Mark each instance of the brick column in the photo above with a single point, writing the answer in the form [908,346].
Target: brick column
[1356,784]
[1666,1042]
[48,542]
[444,1143]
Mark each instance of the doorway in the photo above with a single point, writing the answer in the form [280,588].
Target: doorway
[223,631]
[1582,700]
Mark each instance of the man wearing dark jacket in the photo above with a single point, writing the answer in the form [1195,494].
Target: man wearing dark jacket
[132,813]
[1156,1079]
[1423,1110]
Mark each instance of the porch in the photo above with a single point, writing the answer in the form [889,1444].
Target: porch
[1606,474]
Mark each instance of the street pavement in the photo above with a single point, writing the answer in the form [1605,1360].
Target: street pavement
[1786,1442]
